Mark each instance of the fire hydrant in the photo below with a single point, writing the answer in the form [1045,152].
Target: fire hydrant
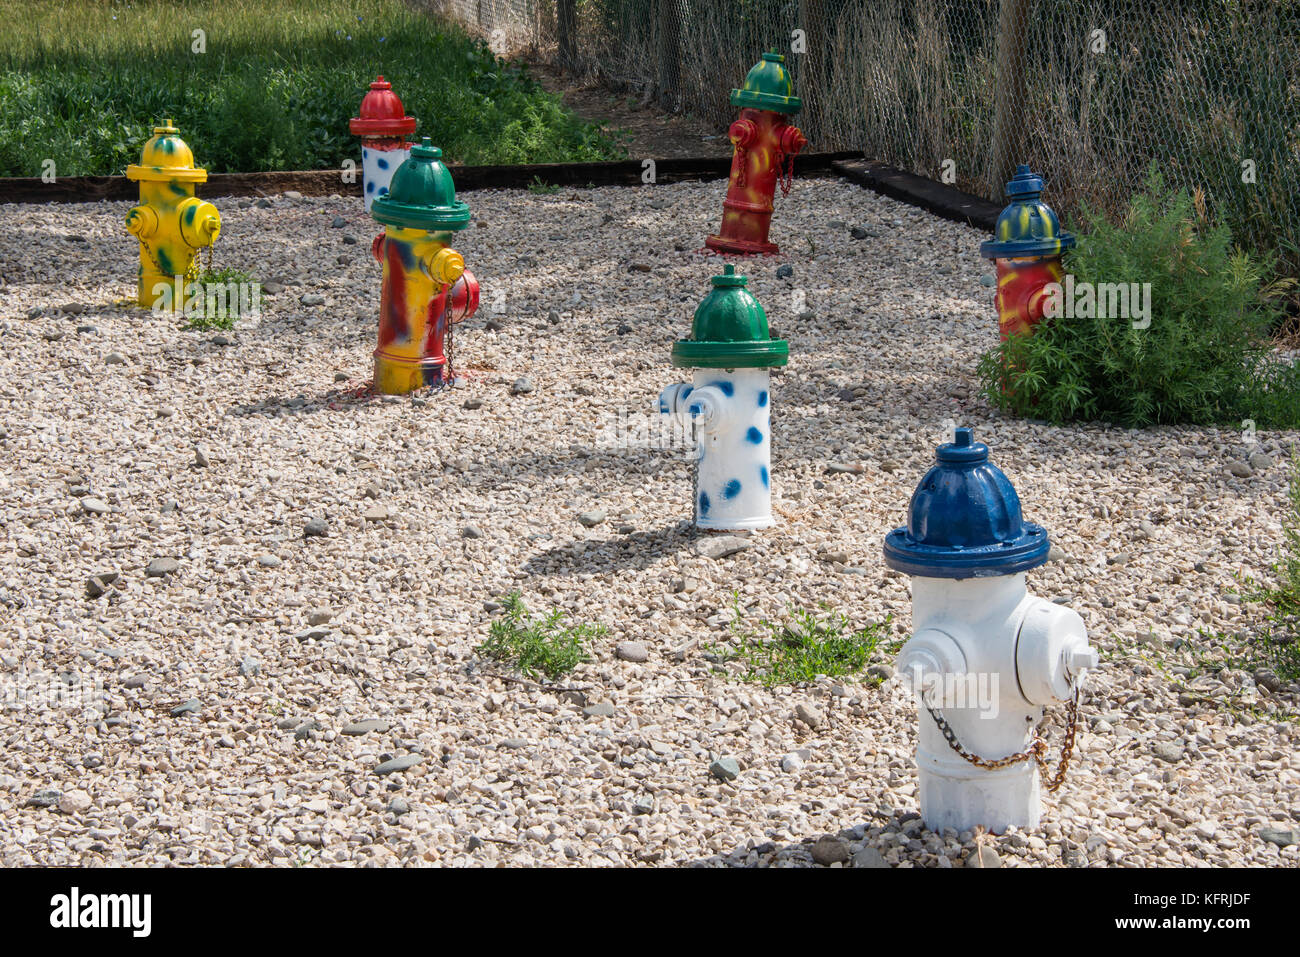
[729,403]
[765,148]
[426,287]
[383,126]
[984,657]
[1027,246]
[171,223]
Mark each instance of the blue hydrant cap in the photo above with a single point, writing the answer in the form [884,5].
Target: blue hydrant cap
[964,520]
[1028,227]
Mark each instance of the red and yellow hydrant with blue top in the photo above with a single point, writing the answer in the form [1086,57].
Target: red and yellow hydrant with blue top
[1027,246]
[765,147]
[171,223]
[426,287]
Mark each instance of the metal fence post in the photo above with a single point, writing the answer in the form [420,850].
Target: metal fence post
[812,20]
[1009,104]
[670,53]
[566,32]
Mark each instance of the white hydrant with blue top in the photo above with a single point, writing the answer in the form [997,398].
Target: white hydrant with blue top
[985,656]
[729,403]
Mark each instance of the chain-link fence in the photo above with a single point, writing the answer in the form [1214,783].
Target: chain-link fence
[1092,93]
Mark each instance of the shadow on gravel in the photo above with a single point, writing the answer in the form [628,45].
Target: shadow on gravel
[861,846]
[635,551]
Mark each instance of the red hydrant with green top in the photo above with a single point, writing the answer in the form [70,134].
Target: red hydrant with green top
[765,147]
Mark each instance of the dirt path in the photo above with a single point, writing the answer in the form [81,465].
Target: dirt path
[651,131]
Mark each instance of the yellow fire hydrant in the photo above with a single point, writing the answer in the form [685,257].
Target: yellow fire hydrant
[426,287]
[171,223]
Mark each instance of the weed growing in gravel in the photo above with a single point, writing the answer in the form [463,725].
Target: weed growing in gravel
[538,644]
[1276,646]
[800,648]
[539,187]
[224,316]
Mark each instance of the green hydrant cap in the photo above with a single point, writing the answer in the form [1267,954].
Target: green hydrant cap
[730,330]
[768,87]
[422,194]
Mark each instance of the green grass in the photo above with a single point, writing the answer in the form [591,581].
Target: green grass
[1276,646]
[534,645]
[83,83]
[797,650]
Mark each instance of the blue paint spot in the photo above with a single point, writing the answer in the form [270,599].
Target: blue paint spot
[762,473]
[696,408]
[383,191]
[704,503]
[726,388]
[382,163]
[370,187]
[365,153]
[754,435]
[663,407]
[762,398]
[404,253]
[687,391]
[731,489]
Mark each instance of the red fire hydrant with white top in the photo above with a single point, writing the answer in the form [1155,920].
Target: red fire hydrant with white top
[765,147]
[383,127]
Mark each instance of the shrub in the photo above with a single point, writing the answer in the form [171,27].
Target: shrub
[1205,356]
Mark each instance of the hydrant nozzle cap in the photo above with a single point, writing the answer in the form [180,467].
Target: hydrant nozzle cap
[730,330]
[382,113]
[422,194]
[166,158]
[768,87]
[964,520]
[1028,227]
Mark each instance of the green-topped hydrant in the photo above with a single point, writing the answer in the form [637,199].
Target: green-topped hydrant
[765,147]
[426,286]
[733,353]
[171,223]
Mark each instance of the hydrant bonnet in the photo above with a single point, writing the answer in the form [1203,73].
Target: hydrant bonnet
[382,113]
[768,87]
[166,157]
[422,194]
[1028,227]
[964,520]
[730,330]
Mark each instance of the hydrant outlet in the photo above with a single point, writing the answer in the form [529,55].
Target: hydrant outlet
[928,656]
[1052,652]
[142,222]
[200,222]
[445,266]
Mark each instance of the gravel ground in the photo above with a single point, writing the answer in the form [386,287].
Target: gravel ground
[236,675]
